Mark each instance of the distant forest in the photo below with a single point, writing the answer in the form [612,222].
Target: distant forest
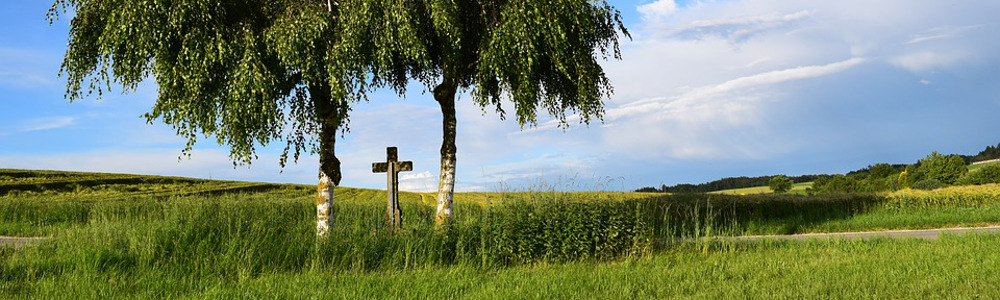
[725,184]
[991,152]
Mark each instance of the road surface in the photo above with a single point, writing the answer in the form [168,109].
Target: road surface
[926,234]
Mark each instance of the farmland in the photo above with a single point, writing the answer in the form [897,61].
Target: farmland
[114,235]
[798,188]
[981,165]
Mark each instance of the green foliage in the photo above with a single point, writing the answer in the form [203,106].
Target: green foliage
[881,170]
[945,168]
[780,184]
[836,184]
[928,184]
[217,72]
[983,175]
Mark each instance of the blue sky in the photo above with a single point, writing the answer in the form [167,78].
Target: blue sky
[705,90]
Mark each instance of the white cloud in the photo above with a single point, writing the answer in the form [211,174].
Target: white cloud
[728,99]
[943,32]
[657,10]
[422,182]
[48,123]
[736,29]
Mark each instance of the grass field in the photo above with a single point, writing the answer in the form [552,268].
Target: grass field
[126,236]
[798,188]
[979,166]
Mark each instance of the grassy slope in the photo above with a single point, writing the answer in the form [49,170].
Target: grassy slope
[952,267]
[976,167]
[49,211]
[122,241]
[798,188]
[948,268]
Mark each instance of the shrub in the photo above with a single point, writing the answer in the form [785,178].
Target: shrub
[928,184]
[780,184]
[945,168]
[987,174]
[836,184]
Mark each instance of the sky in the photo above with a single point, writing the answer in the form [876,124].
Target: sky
[705,90]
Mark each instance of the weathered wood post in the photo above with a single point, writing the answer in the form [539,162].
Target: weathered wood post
[392,167]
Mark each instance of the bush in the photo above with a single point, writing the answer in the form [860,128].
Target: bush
[945,168]
[836,184]
[987,174]
[928,184]
[780,184]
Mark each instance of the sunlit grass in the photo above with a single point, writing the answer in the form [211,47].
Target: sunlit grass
[159,238]
[798,188]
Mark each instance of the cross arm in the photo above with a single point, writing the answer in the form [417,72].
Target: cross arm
[401,166]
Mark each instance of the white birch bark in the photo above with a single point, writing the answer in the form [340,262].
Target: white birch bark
[446,190]
[324,201]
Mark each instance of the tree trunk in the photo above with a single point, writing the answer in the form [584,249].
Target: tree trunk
[329,178]
[330,115]
[445,96]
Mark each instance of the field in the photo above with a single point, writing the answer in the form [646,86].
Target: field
[798,188]
[127,236]
[979,166]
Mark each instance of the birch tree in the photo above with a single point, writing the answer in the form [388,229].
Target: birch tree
[244,72]
[538,54]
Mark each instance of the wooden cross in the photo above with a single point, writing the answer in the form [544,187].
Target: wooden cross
[392,167]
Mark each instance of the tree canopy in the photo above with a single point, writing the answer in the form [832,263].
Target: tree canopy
[780,184]
[245,72]
[252,72]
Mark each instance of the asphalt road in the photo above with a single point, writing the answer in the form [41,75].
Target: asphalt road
[926,234]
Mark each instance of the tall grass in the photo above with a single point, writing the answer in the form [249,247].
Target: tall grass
[956,196]
[177,245]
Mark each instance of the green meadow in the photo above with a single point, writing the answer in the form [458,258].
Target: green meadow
[129,236]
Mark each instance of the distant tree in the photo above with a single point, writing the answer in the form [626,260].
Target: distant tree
[881,170]
[734,183]
[945,168]
[647,189]
[836,184]
[991,152]
[780,184]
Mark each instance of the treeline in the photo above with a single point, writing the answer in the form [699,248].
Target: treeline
[991,152]
[725,184]
[935,170]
